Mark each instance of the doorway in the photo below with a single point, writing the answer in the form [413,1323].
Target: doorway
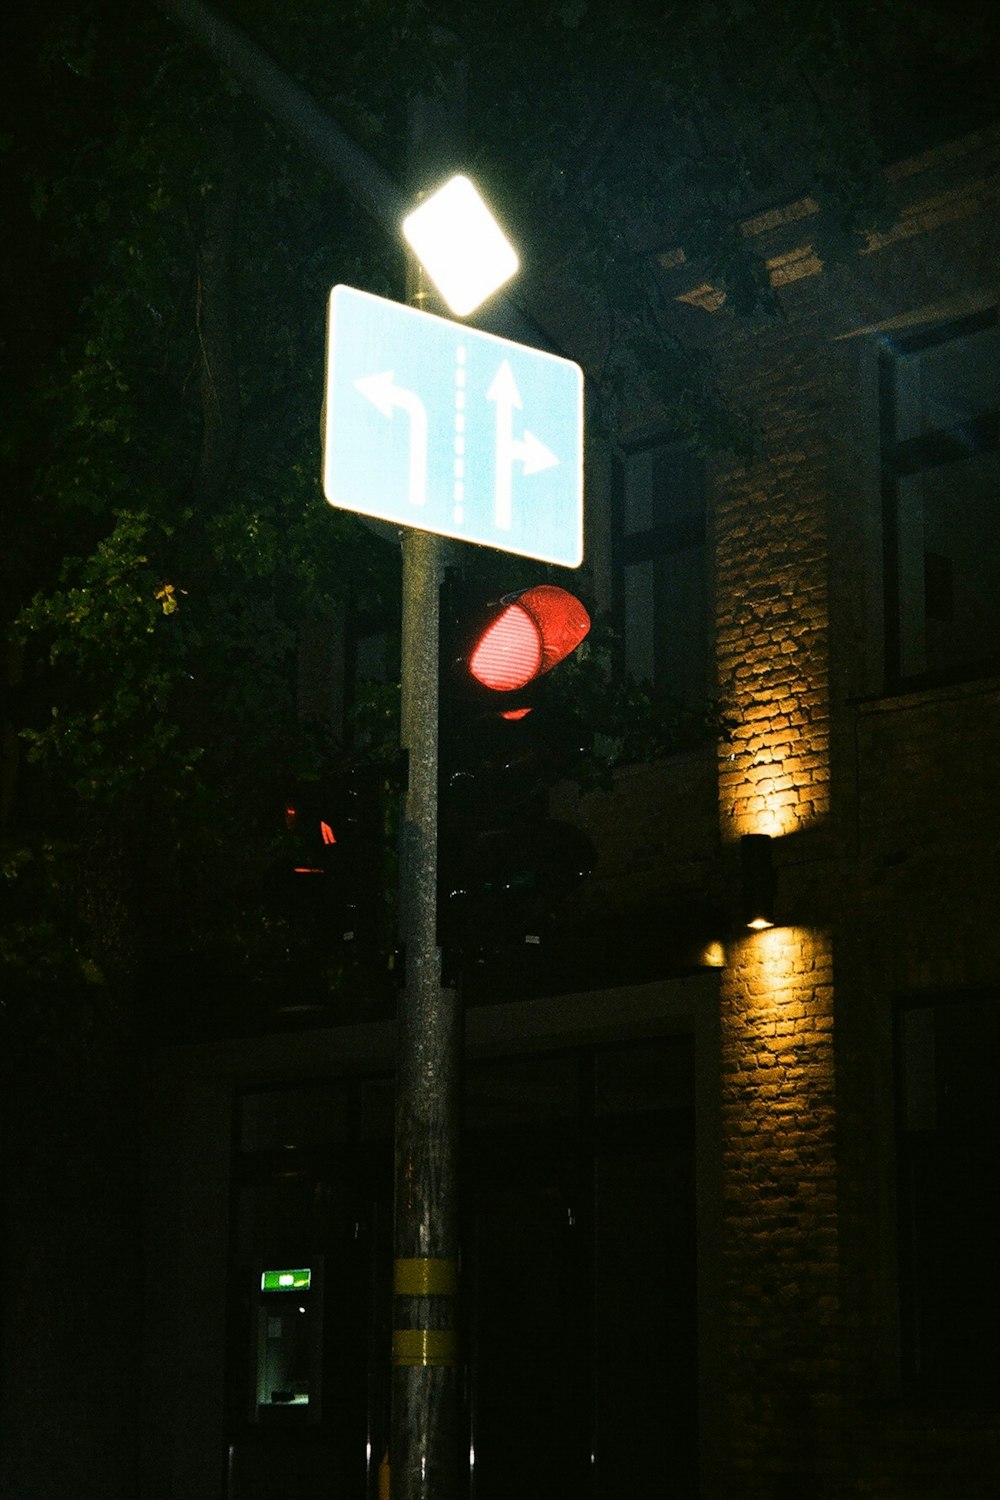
[580,1273]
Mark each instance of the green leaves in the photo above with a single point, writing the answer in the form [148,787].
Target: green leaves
[113,667]
[608,719]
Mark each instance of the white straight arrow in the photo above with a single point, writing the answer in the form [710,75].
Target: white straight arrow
[384,394]
[527,449]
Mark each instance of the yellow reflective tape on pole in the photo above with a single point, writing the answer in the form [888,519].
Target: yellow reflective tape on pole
[425,1277]
[423,1346]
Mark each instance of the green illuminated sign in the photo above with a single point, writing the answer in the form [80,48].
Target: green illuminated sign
[286,1281]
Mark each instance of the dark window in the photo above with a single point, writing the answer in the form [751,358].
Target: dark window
[661,590]
[940,395]
[949,1196]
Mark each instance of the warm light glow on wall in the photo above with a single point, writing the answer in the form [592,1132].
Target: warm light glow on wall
[713,955]
[774,821]
[784,955]
[780,974]
[775,814]
[780,1250]
[783,961]
[775,770]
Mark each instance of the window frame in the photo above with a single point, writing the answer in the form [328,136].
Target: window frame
[901,458]
[651,544]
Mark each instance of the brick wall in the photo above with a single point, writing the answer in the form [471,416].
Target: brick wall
[780,1277]
[889,867]
[780,1243]
[771,614]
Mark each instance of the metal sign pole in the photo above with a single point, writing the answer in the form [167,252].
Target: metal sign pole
[424,1447]
[424,1439]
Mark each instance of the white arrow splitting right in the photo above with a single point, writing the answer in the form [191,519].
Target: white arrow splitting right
[384,394]
[527,449]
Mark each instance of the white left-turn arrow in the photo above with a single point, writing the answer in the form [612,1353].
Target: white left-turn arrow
[386,396]
[527,449]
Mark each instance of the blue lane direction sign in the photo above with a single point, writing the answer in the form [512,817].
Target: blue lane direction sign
[435,425]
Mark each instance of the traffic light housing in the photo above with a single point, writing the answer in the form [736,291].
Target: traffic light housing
[335,876]
[505,865]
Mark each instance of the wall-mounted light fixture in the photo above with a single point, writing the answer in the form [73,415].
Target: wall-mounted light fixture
[758,880]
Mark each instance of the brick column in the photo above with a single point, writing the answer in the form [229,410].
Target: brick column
[779,1263]
[780,1250]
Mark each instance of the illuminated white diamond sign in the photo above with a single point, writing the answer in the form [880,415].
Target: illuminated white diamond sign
[460,245]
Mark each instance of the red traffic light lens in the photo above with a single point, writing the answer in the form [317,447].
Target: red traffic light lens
[509,652]
[535,630]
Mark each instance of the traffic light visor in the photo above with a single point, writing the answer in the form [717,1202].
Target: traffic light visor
[535,630]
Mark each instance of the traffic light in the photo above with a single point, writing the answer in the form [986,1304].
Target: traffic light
[529,633]
[334,879]
[505,865]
